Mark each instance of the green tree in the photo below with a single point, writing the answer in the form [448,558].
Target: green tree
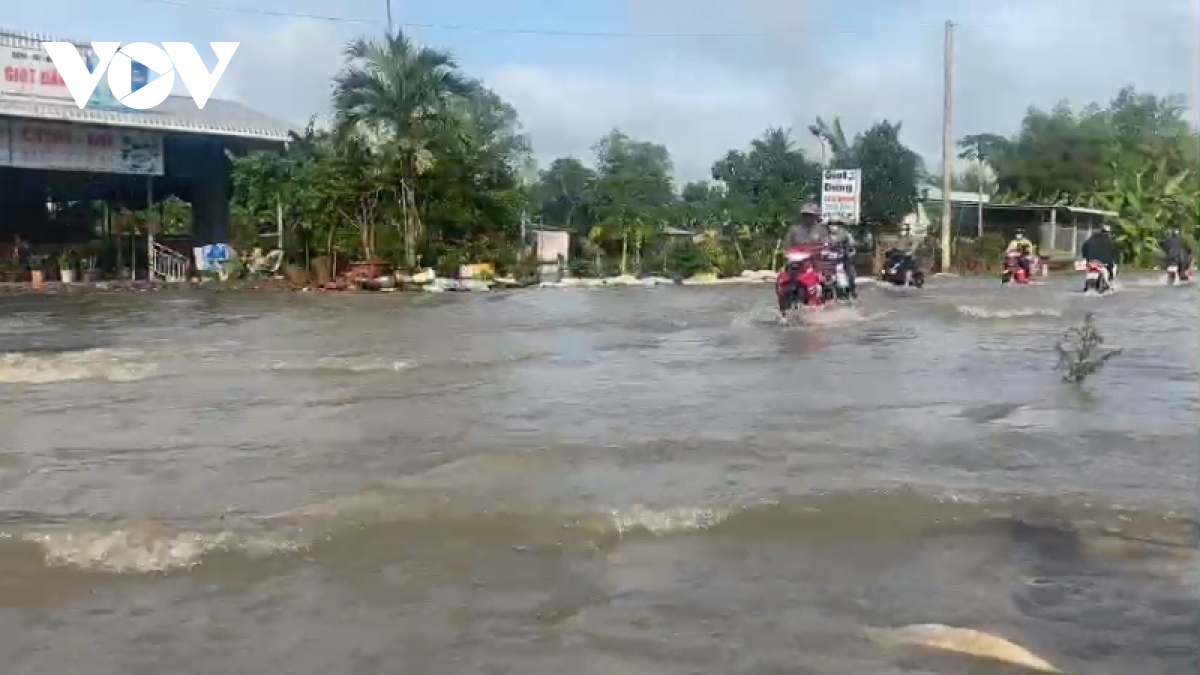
[564,192]
[890,173]
[397,98]
[765,188]
[633,193]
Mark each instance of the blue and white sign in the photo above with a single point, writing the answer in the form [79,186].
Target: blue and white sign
[212,258]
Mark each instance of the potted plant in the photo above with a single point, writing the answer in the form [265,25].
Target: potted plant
[66,266]
[89,269]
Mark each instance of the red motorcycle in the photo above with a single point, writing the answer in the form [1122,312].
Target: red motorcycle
[1013,270]
[799,282]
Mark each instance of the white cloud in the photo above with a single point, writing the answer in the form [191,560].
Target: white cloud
[288,71]
[701,97]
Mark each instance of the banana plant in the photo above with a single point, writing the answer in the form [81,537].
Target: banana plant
[1147,201]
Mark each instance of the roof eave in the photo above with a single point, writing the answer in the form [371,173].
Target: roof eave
[99,119]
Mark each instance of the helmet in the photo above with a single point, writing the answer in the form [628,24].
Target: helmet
[795,256]
[1021,234]
[810,209]
[1106,228]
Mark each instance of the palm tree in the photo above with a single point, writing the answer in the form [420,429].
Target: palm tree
[397,96]
[834,135]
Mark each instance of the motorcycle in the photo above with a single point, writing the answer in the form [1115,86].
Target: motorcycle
[1013,271]
[1177,273]
[798,284]
[1096,278]
[901,270]
[835,280]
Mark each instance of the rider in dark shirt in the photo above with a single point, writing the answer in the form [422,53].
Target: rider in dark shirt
[1176,250]
[1101,248]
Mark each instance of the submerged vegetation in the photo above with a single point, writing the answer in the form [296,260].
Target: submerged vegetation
[1081,351]
[425,166]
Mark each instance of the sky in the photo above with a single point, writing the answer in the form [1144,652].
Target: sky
[699,76]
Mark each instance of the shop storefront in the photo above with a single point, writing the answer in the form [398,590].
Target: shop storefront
[52,153]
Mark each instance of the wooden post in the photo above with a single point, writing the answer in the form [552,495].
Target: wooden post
[150,229]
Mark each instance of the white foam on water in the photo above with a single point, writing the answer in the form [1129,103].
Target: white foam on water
[146,547]
[836,315]
[91,364]
[977,312]
[667,521]
[757,315]
[1151,282]
[352,364]
[677,519]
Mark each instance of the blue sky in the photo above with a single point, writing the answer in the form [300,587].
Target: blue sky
[794,59]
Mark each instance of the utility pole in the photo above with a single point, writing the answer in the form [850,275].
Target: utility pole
[979,162]
[389,18]
[947,144]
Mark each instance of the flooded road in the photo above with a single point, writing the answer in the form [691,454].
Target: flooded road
[638,480]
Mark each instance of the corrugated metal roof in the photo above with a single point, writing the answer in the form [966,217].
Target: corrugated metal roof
[934,194]
[178,114]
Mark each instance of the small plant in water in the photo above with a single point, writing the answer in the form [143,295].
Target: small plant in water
[1081,352]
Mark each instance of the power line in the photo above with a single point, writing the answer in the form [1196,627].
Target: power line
[463,27]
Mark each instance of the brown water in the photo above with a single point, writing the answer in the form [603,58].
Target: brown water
[604,481]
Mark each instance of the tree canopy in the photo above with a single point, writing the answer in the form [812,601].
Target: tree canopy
[425,165]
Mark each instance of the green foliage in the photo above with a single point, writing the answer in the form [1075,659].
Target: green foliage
[424,164]
[891,171]
[1137,157]
[422,159]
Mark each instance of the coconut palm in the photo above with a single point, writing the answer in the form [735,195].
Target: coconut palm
[834,135]
[397,96]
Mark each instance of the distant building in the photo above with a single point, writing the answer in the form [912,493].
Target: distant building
[1058,230]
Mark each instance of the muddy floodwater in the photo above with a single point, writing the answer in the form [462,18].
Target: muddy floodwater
[594,481]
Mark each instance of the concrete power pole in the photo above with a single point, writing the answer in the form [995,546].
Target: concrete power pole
[389,18]
[947,144]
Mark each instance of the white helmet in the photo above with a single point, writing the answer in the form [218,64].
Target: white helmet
[796,256]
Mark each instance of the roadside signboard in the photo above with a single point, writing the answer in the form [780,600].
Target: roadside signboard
[841,195]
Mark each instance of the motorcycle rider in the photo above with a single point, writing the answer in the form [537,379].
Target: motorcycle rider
[794,281]
[1176,251]
[1101,248]
[1021,244]
[810,230]
[902,251]
[842,241]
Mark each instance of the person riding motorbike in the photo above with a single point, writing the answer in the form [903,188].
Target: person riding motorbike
[793,284]
[901,253]
[1021,244]
[1176,251]
[842,241]
[809,230]
[1101,248]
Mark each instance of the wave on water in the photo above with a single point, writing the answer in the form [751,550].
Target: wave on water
[112,365]
[1113,531]
[146,547]
[977,312]
[833,316]
[1149,282]
[353,364]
